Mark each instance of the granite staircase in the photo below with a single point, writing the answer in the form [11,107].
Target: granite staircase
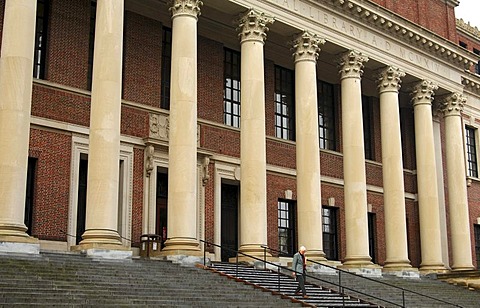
[73,280]
[285,285]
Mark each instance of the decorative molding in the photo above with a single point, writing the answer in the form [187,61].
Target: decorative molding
[465,26]
[306,46]
[423,92]
[159,126]
[253,26]
[453,104]
[185,7]
[390,79]
[398,26]
[149,152]
[206,172]
[351,64]
[471,85]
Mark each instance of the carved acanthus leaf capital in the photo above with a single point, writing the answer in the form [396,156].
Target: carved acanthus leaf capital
[351,64]
[185,7]
[453,104]
[423,92]
[306,46]
[253,25]
[390,79]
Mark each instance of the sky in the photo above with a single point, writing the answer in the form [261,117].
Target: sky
[469,11]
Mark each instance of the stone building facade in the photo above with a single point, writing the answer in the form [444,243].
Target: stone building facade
[350,127]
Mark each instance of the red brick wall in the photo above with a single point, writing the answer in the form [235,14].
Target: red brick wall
[142,59]
[51,196]
[68,42]
[137,195]
[474,207]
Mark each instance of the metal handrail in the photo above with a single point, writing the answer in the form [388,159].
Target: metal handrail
[206,243]
[367,278]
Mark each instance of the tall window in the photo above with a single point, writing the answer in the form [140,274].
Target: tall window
[231,94]
[286,227]
[28,219]
[326,115]
[471,152]
[476,229]
[284,104]
[91,43]
[372,231]
[40,54]
[330,237]
[367,126]
[166,67]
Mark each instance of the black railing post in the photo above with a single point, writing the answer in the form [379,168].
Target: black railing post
[264,257]
[403,298]
[236,269]
[278,271]
[339,281]
[204,253]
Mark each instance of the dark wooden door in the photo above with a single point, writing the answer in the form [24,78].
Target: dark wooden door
[477,244]
[161,209]
[28,220]
[229,220]
[82,199]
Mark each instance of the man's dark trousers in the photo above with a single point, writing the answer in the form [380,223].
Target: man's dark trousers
[301,283]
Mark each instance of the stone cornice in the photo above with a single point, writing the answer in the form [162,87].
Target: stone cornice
[253,26]
[415,35]
[469,29]
[471,84]
[351,64]
[306,46]
[390,79]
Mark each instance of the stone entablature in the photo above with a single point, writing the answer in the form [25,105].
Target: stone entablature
[471,85]
[466,27]
[394,28]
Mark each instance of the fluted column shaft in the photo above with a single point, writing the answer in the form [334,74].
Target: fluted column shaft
[104,145]
[393,186]
[182,169]
[355,187]
[16,65]
[457,188]
[253,189]
[309,200]
[422,97]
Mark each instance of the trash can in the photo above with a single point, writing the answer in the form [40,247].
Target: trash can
[150,245]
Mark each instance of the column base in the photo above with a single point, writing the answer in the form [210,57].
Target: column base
[101,236]
[462,268]
[19,244]
[401,271]
[104,251]
[320,268]
[181,247]
[316,255]
[363,267]
[432,269]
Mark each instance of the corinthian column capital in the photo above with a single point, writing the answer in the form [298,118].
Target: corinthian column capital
[306,46]
[453,104]
[423,92]
[253,26]
[390,79]
[351,64]
[185,7]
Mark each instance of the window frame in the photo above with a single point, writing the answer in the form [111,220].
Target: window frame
[284,107]
[41,38]
[231,89]
[289,207]
[166,68]
[471,151]
[331,252]
[325,101]
[91,43]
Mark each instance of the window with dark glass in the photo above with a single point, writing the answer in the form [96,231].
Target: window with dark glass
[231,94]
[286,227]
[284,104]
[477,66]
[91,43]
[326,115]
[372,230]
[462,44]
[330,235]
[367,104]
[476,229]
[39,57]
[28,219]
[471,146]
[166,67]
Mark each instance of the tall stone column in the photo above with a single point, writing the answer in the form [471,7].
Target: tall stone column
[253,185]
[422,97]
[355,187]
[393,188]
[104,144]
[309,200]
[182,165]
[16,65]
[457,186]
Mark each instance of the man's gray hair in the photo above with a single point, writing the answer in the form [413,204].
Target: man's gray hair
[302,248]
